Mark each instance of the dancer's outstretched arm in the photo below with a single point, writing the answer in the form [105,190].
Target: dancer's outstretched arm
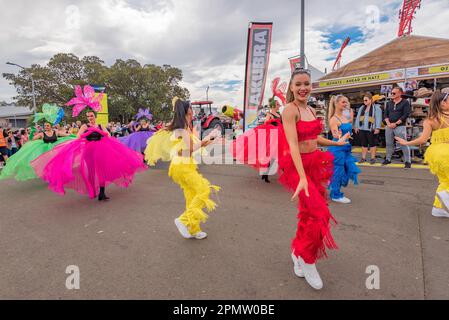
[61,133]
[82,130]
[188,140]
[268,117]
[38,136]
[322,141]
[423,138]
[105,130]
[333,124]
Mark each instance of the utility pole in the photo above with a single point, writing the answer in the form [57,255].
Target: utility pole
[303,16]
[32,83]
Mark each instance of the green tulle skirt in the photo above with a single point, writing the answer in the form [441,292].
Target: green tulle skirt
[18,166]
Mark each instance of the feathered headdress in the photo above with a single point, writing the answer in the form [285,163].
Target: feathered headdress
[51,113]
[144,113]
[278,92]
[85,99]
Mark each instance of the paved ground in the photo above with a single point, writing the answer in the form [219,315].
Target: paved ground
[396,160]
[129,248]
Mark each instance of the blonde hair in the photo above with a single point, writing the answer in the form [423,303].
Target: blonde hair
[332,105]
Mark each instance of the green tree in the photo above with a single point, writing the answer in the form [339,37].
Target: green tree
[129,85]
[133,86]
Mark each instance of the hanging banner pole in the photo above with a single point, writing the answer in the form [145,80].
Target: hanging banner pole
[303,33]
[257,61]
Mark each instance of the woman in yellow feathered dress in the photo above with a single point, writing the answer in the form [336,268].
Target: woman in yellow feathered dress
[178,143]
[437,155]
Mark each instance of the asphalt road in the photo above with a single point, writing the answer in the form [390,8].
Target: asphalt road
[129,247]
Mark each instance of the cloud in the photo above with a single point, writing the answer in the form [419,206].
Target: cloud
[206,39]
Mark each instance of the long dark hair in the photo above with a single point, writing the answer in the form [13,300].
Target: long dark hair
[290,95]
[179,120]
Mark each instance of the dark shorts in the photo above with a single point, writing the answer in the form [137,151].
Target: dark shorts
[4,151]
[368,139]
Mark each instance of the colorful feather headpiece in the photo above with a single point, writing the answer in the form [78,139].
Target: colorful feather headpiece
[144,113]
[51,113]
[85,99]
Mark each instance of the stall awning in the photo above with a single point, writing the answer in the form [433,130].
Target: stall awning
[406,58]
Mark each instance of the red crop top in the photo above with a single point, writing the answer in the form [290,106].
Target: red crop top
[309,130]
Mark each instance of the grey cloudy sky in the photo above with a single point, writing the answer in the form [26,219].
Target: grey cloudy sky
[205,38]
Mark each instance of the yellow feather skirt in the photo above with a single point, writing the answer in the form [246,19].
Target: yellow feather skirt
[437,156]
[184,171]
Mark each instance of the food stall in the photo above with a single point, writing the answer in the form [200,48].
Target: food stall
[412,62]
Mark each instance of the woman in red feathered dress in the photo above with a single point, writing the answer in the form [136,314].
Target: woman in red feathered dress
[303,169]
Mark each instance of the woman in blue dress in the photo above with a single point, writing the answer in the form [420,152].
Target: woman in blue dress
[345,168]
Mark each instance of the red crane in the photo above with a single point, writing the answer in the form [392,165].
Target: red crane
[406,16]
[343,46]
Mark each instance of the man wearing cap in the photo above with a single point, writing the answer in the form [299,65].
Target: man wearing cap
[396,114]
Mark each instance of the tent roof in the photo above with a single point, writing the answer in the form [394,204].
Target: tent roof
[315,73]
[404,52]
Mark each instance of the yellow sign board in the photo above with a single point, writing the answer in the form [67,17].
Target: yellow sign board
[382,77]
[103,115]
[439,69]
[355,80]
[104,103]
[102,119]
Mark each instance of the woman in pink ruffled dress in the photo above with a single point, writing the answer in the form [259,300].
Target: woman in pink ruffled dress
[91,162]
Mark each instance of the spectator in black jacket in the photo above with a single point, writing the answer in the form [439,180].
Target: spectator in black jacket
[396,114]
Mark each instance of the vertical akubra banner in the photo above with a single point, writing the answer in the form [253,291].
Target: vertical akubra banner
[257,60]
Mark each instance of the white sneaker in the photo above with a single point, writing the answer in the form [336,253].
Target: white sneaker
[311,274]
[444,199]
[440,213]
[182,229]
[343,200]
[200,235]
[297,268]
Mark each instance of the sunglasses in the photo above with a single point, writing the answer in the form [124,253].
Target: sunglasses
[445,97]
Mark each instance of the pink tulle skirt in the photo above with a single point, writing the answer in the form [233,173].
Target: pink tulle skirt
[85,166]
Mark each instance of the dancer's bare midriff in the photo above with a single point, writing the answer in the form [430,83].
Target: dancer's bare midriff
[308,146]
